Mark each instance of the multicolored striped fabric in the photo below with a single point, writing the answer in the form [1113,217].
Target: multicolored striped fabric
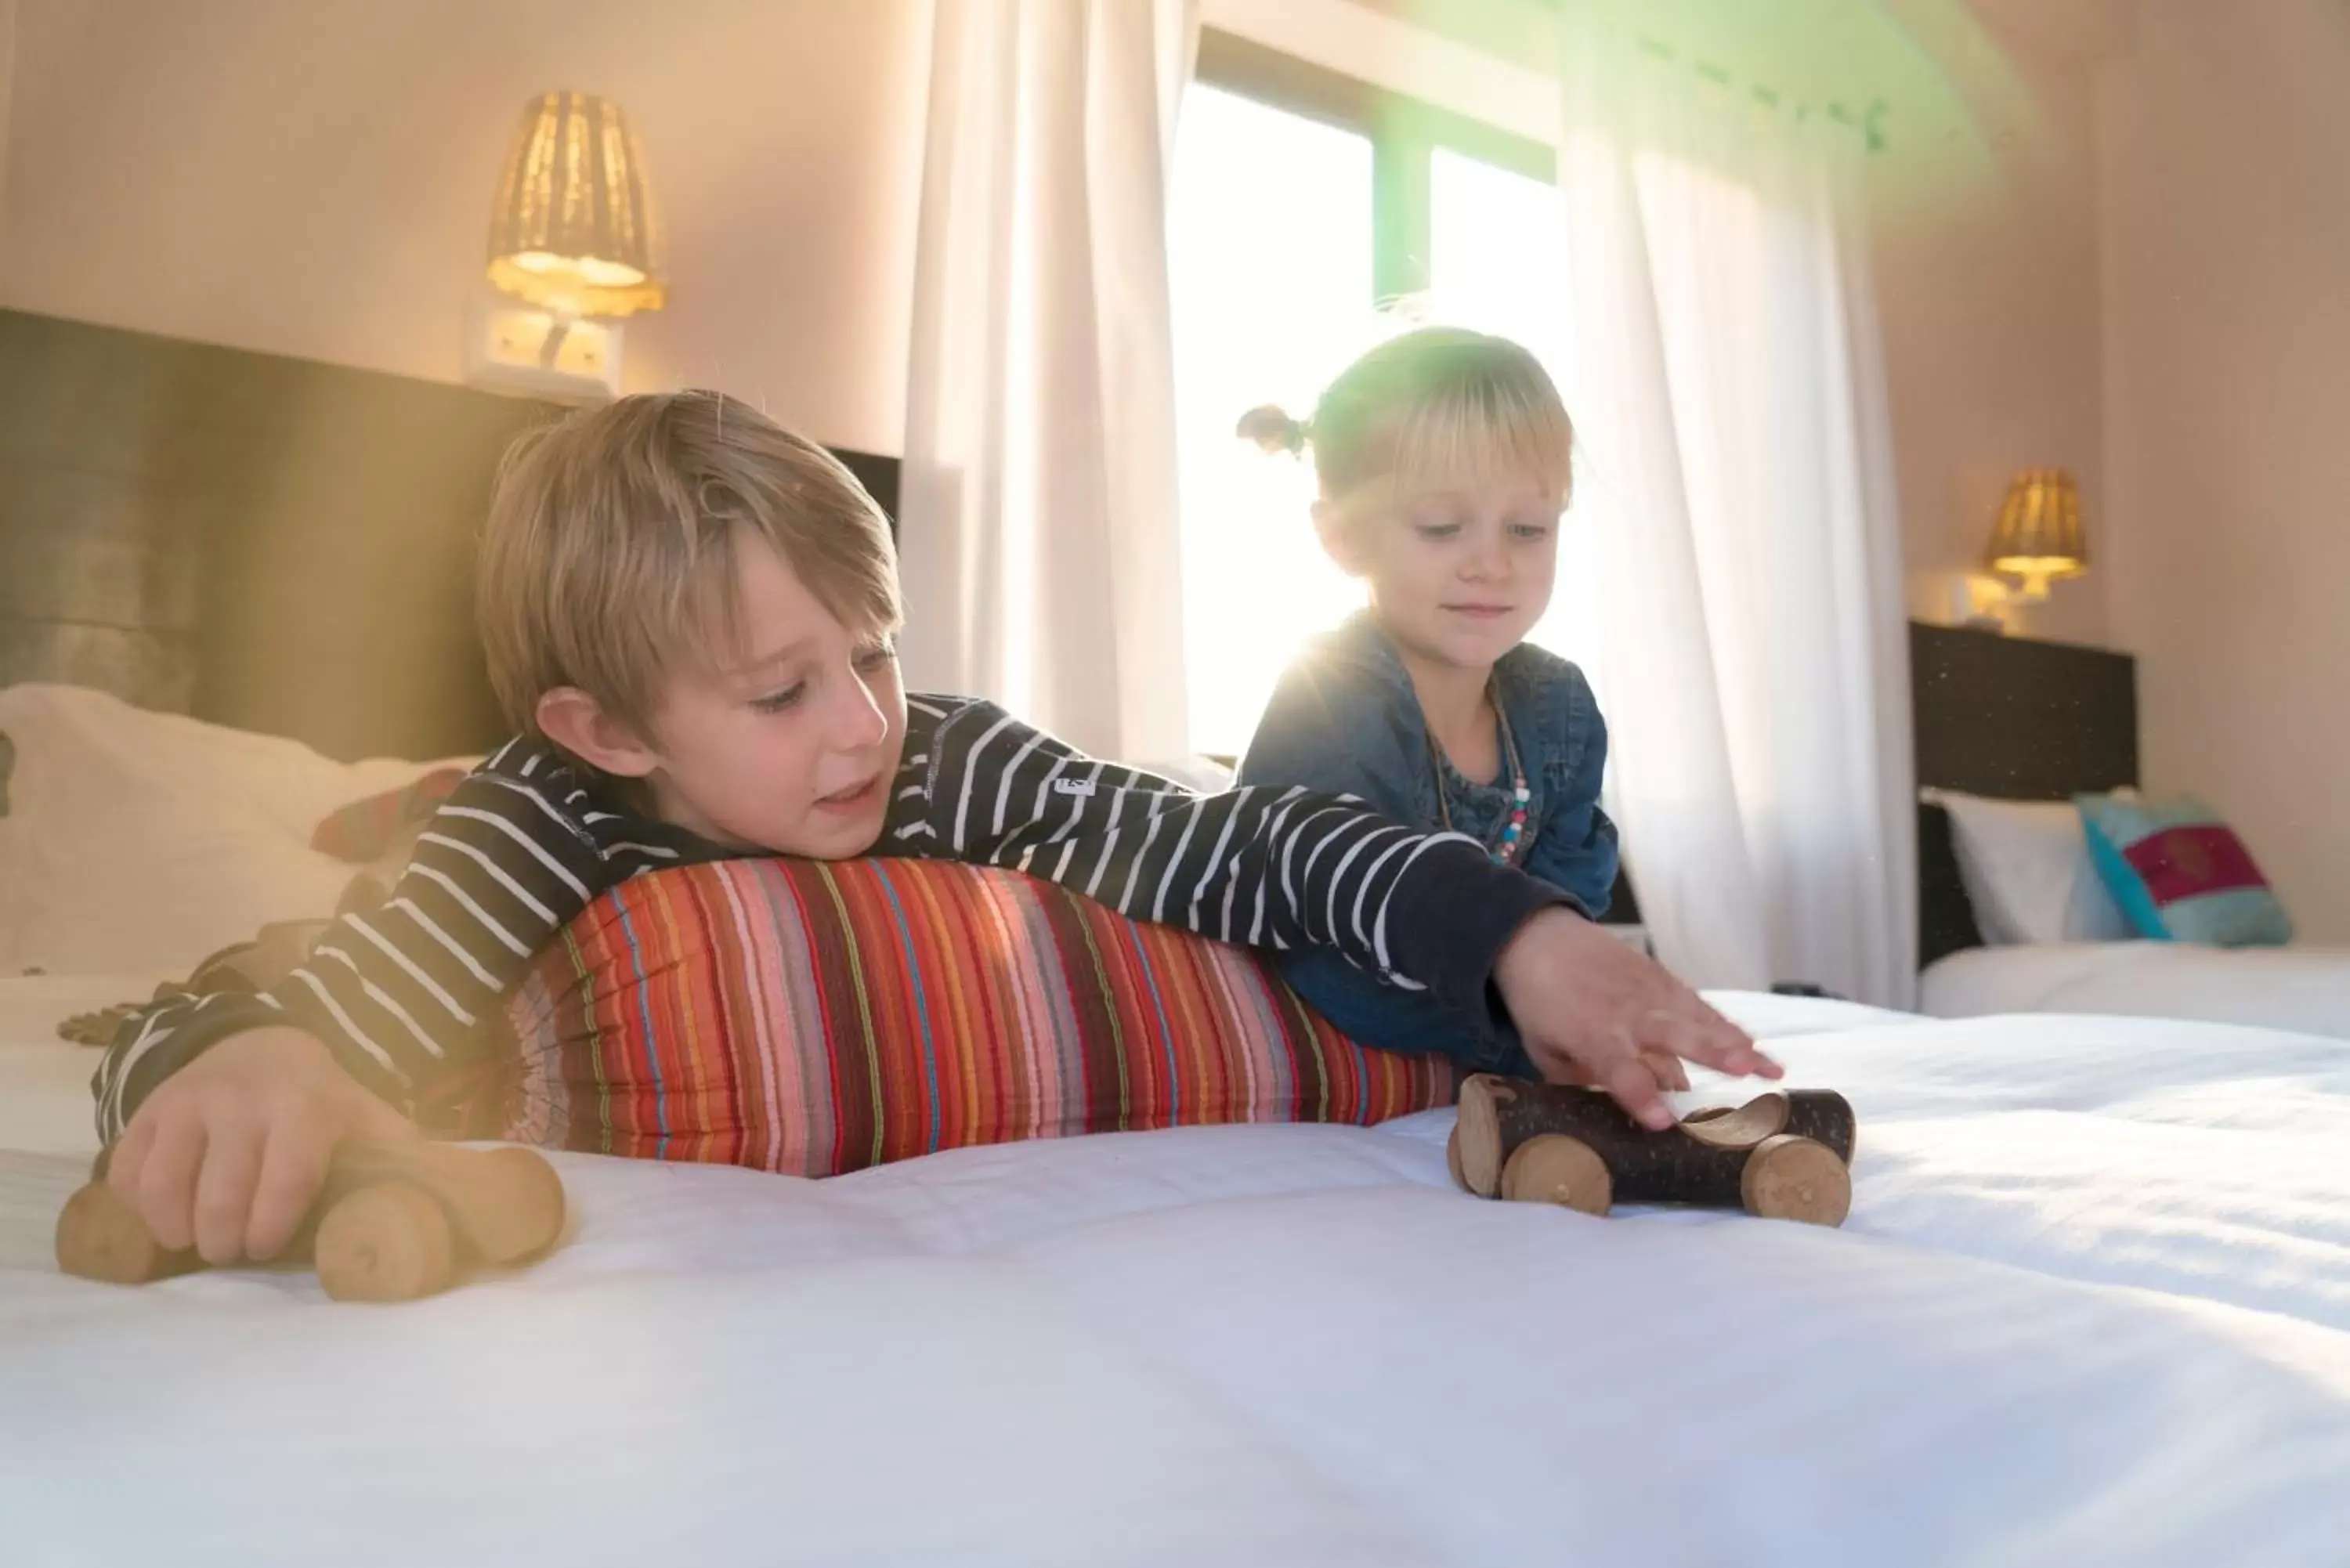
[814,1018]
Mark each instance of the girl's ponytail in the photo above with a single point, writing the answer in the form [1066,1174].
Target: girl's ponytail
[1273,429]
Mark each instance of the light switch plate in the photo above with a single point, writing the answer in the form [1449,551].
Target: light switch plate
[504,340]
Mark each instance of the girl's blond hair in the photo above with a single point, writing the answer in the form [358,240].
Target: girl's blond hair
[1439,406]
[608,562]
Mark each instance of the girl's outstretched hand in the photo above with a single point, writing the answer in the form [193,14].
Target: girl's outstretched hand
[1591,1011]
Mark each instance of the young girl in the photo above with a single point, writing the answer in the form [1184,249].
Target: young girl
[1443,464]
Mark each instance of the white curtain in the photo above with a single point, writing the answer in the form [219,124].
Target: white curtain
[1039,533]
[1736,535]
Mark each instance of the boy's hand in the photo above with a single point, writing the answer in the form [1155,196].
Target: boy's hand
[1594,1011]
[228,1152]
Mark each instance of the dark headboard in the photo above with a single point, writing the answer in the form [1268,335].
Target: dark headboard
[2014,718]
[269,542]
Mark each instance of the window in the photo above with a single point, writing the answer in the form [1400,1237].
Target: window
[1301,201]
[1270,262]
[1497,259]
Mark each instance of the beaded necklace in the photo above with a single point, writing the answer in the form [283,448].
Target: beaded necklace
[1513,833]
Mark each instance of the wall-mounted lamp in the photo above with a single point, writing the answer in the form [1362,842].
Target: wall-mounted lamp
[2038,538]
[572,237]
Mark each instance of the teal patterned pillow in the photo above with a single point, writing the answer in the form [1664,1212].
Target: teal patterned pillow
[2181,874]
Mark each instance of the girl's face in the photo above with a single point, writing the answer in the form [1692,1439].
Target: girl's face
[1459,575]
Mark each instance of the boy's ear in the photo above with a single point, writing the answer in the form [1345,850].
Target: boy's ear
[1337,539]
[578,724]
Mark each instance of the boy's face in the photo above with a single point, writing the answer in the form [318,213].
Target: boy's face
[794,750]
[1458,574]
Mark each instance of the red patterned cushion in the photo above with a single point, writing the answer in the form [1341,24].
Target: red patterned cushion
[814,1018]
[2181,874]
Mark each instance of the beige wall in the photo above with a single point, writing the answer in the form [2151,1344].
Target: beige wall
[313,177]
[2226,220]
[1986,271]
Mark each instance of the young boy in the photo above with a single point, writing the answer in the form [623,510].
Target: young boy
[687,612]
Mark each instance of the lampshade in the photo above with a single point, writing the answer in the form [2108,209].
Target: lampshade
[2039,533]
[573,230]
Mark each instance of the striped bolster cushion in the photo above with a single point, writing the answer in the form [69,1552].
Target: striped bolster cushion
[815,1018]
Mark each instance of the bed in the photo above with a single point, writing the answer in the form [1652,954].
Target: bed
[2092,1302]
[2012,719]
[2306,988]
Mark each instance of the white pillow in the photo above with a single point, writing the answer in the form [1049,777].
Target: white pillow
[137,843]
[2027,871]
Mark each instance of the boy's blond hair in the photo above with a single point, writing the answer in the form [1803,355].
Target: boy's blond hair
[608,561]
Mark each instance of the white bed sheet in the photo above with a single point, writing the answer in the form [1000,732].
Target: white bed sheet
[2303,989]
[45,1099]
[2093,1305]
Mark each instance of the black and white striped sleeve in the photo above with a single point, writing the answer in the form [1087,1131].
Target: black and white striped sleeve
[399,991]
[1267,867]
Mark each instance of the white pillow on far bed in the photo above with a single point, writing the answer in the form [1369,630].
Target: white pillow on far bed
[139,841]
[2027,871]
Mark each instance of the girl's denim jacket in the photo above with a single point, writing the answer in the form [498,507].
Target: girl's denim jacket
[1345,720]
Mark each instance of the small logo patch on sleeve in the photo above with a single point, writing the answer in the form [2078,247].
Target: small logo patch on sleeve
[1073,786]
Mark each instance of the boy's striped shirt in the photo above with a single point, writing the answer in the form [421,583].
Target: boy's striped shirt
[529,840]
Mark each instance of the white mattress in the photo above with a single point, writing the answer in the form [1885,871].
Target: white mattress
[2093,1305]
[2301,989]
